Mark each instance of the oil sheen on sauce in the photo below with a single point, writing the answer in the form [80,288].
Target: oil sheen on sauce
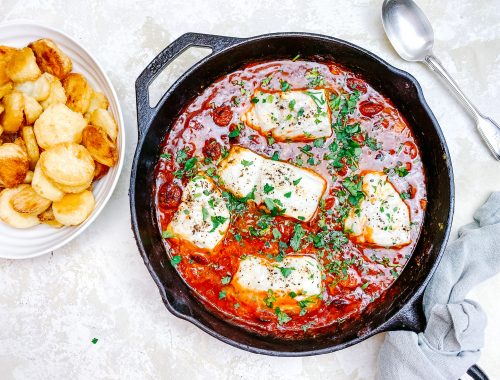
[380,140]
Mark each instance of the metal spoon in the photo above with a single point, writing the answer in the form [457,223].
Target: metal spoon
[411,34]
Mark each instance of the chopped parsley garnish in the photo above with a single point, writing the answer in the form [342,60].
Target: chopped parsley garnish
[167,156]
[354,186]
[297,181]
[268,188]
[298,234]
[291,104]
[276,233]
[246,163]
[275,156]
[401,170]
[225,280]
[266,80]
[286,271]
[222,294]
[204,213]
[288,195]
[181,156]
[284,85]
[300,112]
[296,57]
[254,100]
[315,78]
[318,143]
[217,221]
[94,341]
[283,317]
[270,299]
[371,143]
[167,234]
[175,260]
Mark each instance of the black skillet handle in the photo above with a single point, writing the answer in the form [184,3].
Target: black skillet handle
[144,111]
[412,318]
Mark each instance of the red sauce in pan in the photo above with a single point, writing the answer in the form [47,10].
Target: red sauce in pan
[381,140]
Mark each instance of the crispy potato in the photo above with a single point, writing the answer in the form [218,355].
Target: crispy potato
[14,164]
[6,53]
[100,170]
[97,100]
[22,66]
[73,209]
[5,89]
[68,164]
[47,217]
[74,189]
[32,109]
[56,93]
[29,177]
[13,116]
[104,119]
[58,124]
[44,186]
[27,201]
[78,92]
[50,58]
[20,142]
[1,110]
[100,146]
[38,89]
[31,146]
[11,216]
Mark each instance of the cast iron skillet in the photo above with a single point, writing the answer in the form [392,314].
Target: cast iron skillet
[401,305]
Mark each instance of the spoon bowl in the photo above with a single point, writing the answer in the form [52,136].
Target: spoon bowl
[408,29]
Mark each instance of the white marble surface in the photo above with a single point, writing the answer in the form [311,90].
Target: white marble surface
[51,307]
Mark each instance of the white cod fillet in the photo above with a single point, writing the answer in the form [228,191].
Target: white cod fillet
[293,190]
[294,279]
[202,217]
[290,116]
[382,218]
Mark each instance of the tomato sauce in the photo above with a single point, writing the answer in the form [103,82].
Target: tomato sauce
[379,138]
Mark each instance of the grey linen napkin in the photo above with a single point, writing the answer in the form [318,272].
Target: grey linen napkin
[454,334]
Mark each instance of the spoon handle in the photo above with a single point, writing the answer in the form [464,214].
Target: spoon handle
[488,129]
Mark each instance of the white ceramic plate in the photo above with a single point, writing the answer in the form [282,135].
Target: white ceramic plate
[41,239]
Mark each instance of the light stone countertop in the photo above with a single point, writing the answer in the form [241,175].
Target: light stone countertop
[51,307]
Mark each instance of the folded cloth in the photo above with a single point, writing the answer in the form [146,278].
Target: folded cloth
[454,334]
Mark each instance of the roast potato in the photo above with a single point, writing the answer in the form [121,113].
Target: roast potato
[32,109]
[56,92]
[50,58]
[11,216]
[44,186]
[38,89]
[13,116]
[78,92]
[100,146]
[74,209]
[68,164]
[32,148]
[14,164]
[103,118]
[58,124]
[97,100]
[22,66]
[47,217]
[27,201]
